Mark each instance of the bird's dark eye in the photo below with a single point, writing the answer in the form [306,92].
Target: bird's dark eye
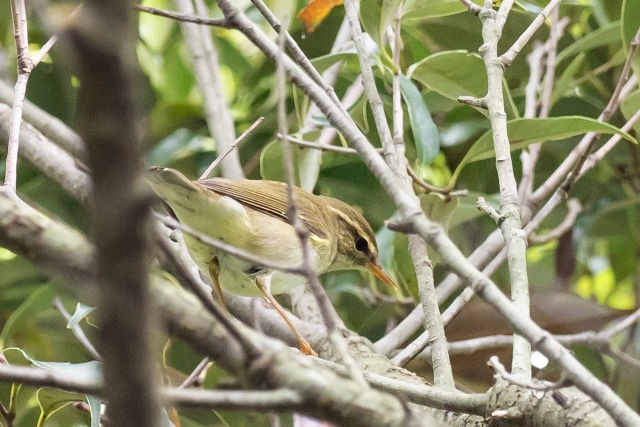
[361,244]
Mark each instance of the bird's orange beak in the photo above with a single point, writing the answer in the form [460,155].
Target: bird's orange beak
[381,274]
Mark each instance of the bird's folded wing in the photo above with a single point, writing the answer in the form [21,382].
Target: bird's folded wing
[270,198]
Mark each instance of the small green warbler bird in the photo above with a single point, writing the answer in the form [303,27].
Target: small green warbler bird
[252,215]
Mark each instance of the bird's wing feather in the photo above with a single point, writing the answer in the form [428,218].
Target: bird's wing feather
[196,207]
[268,197]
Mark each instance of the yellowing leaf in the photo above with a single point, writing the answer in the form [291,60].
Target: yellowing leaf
[315,11]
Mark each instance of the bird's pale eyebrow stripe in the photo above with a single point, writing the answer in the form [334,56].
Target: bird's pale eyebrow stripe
[349,221]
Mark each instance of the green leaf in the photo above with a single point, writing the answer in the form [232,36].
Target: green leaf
[523,132]
[461,131]
[155,31]
[94,406]
[510,106]
[385,238]
[566,79]
[52,400]
[321,63]
[272,162]
[618,217]
[437,208]
[22,319]
[425,132]
[630,24]
[416,11]
[180,145]
[466,209]
[452,74]
[630,106]
[600,37]
[376,16]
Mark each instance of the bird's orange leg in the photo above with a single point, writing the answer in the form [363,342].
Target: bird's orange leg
[305,347]
[214,273]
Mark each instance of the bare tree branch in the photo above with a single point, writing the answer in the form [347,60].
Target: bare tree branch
[103,42]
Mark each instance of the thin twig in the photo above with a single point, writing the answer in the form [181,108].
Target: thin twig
[530,156]
[508,57]
[231,147]
[472,101]
[196,373]
[230,249]
[519,381]
[625,323]
[297,54]
[25,65]
[442,371]
[204,295]
[485,207]
[182,17]
[328,313]
[473,8]
[368,79]
[574,208]
[316,146]
[416,346]
[510,223]
[448,194]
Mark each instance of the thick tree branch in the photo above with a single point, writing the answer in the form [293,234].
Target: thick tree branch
[103,42]
[511,226]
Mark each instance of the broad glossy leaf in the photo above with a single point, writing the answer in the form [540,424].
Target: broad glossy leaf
[614,218]
[425,132]
[22,319]
[272,162]
[415,11]
[523,132]
[566,79]
[630,25]
[321,63]
[452,74]
[437,208]
[600,37]
[377,15]
[466,209]
[181,144]
[384,238]
[52,400]
[462,131]
[630,106]
[388,12]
